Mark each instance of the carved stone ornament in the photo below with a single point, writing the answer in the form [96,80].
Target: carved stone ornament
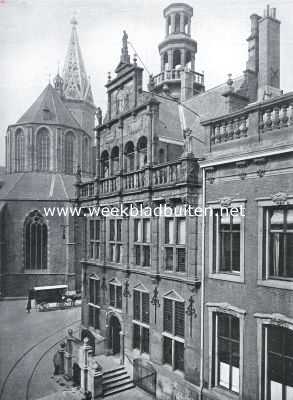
[241,165]
[260,170]
[279,198]
[225,202]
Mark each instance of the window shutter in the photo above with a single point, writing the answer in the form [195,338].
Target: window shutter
[179,318]
[180,267]
[168,316]
[145,298]
[136,305]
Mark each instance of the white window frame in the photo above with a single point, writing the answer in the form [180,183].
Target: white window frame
[263,321]
[94,242]
[174,245]
[172,336]
[115,243]
[224,308]
[263,204]
[226,276]
[90,304]
[116,284]
[141,243]
[140,323]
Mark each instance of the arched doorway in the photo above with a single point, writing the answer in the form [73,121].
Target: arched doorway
[114,334]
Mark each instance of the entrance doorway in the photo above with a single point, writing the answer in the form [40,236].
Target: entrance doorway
[76,374]
[114,334]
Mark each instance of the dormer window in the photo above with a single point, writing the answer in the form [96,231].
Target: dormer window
[46,113]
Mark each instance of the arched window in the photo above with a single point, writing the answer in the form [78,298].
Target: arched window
[35,241]
[19,150]
[129,156]
[142,151]
[43,150]
[177,23]
[165,62]
[69,153]
[115,159]
[105,164]
[186,25]
[176,58]
[169,25]
[161,156]
[188,60]
[85,155]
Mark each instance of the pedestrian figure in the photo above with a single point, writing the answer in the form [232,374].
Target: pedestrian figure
[29,302]
[57,362]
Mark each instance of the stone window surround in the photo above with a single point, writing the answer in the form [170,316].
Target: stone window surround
[239,313]
[174,245]
[93,241]
[240,278]
[90,304]
[264,320]
[139,322]
[263,203]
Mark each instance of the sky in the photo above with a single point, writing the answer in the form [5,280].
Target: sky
[34,36]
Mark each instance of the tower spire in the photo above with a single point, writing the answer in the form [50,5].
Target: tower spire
[76,83]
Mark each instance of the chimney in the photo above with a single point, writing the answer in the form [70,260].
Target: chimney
[253,43]
[269,55]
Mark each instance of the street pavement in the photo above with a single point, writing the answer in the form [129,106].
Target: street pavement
[18,332]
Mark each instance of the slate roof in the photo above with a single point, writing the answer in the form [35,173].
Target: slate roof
[57,113]
[37,186]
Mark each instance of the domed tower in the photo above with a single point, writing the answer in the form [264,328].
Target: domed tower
[177,53]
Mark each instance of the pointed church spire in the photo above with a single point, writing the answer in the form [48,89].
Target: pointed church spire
[76,83]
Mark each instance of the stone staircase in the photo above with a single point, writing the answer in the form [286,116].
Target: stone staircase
[116,380]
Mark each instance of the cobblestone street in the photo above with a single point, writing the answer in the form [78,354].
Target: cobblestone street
[20,331]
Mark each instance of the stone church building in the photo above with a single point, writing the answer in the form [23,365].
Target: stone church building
[44,149]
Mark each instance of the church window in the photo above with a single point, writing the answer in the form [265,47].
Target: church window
[43,150]
[69,153]
[85,155]
[19,151]
[36,242]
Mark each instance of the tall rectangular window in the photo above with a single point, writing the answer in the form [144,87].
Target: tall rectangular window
[142,240]
[278,243]
[95,237]
[278,362]
[173,335]
[227,351]
[141,320]
[175,244]
[226,243]
[94,302]
[115,293]
[115,241]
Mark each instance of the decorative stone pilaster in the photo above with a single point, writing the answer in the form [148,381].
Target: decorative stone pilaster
[68,355]
[95,381]
[122,347]
[84,364]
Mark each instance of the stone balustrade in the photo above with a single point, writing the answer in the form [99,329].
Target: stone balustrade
[170,173]
[175,74]
[252,121]
[230,129]
[276,117]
